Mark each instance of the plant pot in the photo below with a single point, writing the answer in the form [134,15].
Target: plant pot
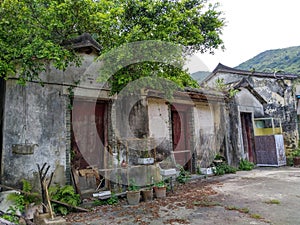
[147,195]
[160,192]
[296,161]
[145,161]
[133,197]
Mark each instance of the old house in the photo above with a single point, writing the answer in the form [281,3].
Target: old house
[264,101]
[96,140]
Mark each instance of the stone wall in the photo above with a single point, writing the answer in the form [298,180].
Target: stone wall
[34,116]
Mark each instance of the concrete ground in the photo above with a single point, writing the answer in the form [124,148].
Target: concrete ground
[261,196]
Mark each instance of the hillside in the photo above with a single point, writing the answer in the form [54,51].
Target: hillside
[200,75]
[286,60]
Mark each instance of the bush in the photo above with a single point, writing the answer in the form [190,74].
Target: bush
[64,194]
[223,168]
[245,165]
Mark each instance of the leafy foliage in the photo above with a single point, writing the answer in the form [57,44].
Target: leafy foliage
[160,184]
[64,194]
[113,200]
[245,165]
[21,201]
[223,168]
[133,186]
[290,156]
[184,176]
[33,33]
[286,60]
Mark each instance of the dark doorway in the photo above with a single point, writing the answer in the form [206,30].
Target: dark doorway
[248,136]
[181,134]
[88,134]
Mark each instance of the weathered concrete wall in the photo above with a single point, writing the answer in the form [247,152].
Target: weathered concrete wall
[34,115]
[209,133]
[243,102]
[280,103]
[42,116]
[160,128]
[248,103]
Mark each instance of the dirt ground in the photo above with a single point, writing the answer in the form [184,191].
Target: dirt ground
[261,196]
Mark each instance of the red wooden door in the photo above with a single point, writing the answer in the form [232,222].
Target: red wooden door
[88,141]
[181,136]
[248,136]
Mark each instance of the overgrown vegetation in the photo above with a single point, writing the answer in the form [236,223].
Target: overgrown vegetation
[245,165]
[64,194]
[40,30]
[184,176]
[220,166]
[224,168]
[290,156]
[113,200]
[21,202]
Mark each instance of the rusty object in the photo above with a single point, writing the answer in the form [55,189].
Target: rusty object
[296,161]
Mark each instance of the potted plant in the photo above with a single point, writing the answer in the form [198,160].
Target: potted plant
[147,193]
[160,189]
[145,158]
[133,193]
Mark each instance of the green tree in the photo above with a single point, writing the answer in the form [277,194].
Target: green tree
[33,32]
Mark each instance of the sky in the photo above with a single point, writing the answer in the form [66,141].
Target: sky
[253,26]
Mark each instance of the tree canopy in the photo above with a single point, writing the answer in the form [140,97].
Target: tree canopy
[33,32]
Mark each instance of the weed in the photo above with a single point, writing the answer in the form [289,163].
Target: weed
[224,168]
[21,201]
[206,203]
[184,176]
[290,155]
[256,216]
[273,201]
[113,200]
[242,210]
[245,165]
[64,194]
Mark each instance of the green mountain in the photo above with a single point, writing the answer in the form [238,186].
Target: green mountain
[200,75]
[286,60]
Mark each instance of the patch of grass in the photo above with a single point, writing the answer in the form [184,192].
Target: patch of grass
[256,216]
[242,210]
[273,201]
[206,203]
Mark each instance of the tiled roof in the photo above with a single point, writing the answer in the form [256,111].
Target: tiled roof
[83,41]
[225,69]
